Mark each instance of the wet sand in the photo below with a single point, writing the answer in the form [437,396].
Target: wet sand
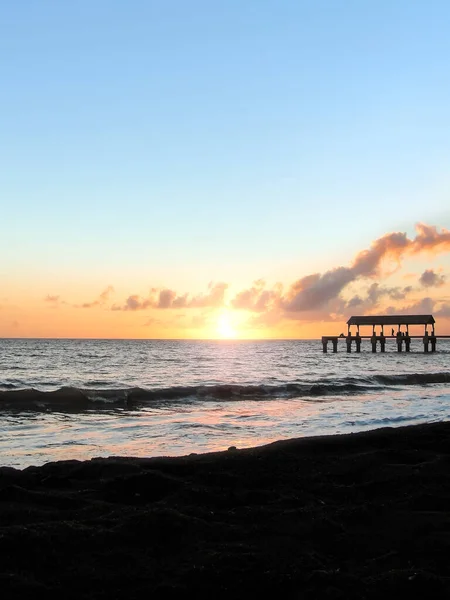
[357,516]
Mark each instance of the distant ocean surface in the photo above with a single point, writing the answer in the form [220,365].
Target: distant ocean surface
[76,399]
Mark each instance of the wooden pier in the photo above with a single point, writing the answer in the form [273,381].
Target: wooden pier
[402,338]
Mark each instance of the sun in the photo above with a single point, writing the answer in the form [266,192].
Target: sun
[225,328]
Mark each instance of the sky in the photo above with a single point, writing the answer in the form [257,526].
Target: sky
[227,168]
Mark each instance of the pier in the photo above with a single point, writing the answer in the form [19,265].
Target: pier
[378,338]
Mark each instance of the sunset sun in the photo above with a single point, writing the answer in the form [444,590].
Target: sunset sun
[225,329]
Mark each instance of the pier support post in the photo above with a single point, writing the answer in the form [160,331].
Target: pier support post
[349,344]
[335,343]
[407,343]
[325,346]
[399,344]
[425,343]
[358,343]
[373,339]
[433,343]
[382,343]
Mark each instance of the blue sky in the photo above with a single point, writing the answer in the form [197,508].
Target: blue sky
[208,139]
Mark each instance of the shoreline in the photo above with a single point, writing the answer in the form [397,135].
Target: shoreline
[355,515]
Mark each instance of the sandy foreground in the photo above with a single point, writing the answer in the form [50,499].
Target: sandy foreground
[356,516]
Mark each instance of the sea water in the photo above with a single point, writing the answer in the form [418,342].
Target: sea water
[77,399]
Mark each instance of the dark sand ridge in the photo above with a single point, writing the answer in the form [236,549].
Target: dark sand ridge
[355,516]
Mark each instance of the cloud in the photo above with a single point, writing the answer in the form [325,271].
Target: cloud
[443,311]
[104,296]
[167,298]
[132,303]
[429,238]
[317,290]
[151,321]
[392,245]
[214,298]
[424,306]
[54,301]
[377,291]
[256,298]
[374,294]
[355,301]
[319,296]
[431,279]
[100,301]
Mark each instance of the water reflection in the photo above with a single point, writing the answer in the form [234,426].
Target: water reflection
[204,427]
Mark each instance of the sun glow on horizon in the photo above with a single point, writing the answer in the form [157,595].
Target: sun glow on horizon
[225,328]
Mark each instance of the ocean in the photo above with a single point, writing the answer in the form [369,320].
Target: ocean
[78,399]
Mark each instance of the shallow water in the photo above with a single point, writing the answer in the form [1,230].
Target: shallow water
[143,398]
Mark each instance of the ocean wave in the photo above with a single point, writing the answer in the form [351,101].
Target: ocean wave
[413,378]
[80,399]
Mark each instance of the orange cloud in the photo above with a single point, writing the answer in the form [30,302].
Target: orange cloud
[214,298]
[54,301]
[374,294]
[167,298]
[424,306]
[317,289]
[256,298]
[431,279]
[429,238]
[101,300]
[318,296]
[443,310]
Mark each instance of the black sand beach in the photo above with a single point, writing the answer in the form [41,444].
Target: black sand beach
[356,516]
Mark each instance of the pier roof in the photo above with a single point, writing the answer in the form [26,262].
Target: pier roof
[392,320]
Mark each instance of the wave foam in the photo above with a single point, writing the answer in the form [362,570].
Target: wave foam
[76,399]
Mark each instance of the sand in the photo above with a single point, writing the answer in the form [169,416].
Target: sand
[356,516]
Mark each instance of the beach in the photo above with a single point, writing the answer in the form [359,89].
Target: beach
[362,515]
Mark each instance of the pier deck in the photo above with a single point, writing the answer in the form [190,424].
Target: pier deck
[386,337]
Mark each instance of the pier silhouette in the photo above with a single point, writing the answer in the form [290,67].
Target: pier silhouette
[402,337]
